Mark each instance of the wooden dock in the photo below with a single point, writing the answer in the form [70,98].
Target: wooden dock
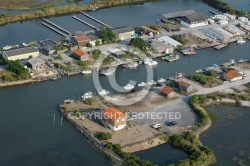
[78,19]
[220,46]
[58,27]
[85,14]
[52,28]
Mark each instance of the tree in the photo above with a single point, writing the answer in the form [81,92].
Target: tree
[89,45]
[59,57]
[97,42]
[83,64]
[139,43]
[107,35]
[30,56]
[17,68]
[9,78]
[69,64]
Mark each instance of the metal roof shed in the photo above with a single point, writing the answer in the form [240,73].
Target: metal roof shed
[170,41]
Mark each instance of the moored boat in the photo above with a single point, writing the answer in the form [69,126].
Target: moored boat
[142,84]
[6,47]
[108,71]
[152,82]
[103,92]
[87,95]
[161,80]
[241,41]
[129,87]
[171,57]
[86,72]
[188,51]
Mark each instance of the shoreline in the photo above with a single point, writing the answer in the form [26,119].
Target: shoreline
[63,10]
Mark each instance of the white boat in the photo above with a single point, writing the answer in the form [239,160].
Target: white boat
[133,65]
[242,60]
[87,95]
[241,41]
[140,62]
[152,82]
[67,101]
[25,45]
[150,62]
[103,92]
[129,87]
[232,61]
[86,72]
[108,72]
[142,84]
[6,47]
[161,80]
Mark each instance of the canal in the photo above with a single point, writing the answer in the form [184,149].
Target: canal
[146,14]
[29,134]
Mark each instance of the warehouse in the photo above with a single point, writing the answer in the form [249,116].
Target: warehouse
[20,53]
[218,33]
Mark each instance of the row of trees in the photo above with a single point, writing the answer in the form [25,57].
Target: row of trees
[225,7]
[202,78]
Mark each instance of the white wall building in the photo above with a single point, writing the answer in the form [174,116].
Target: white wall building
[125,33]
[194,20]
[20,53]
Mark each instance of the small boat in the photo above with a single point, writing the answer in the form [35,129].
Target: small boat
[6,47]
[232,61]
[108,71]
[87,95]
[171,57]
[242,60]
[67,101]
[198,71]
[25,45]
[152,82]
[150,62]
[180,75]
[188,51]
[129,87]
[161,80]
[142,84]
[132,65]
[140,62]
[103,92]
[86,72]
[241,41]
[54,78]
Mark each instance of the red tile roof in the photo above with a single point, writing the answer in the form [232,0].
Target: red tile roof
[166,91]
[81,38]
[79,52]
[184,84]
[113,114]
[232,74]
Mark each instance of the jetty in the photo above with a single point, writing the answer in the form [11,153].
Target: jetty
[100,22]
[213,12]
[57,26]
[56,30]
[220,46]
[78,19]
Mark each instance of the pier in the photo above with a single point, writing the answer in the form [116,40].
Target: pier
[213,12]
[58,27]
[220,46]
[56,30]
[85,14]
[78,19]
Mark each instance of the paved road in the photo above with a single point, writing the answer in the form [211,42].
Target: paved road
[188,117]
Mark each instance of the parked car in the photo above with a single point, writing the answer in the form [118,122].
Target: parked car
[157,125]
[173,123]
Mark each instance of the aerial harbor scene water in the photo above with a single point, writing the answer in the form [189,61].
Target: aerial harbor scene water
[140,83]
